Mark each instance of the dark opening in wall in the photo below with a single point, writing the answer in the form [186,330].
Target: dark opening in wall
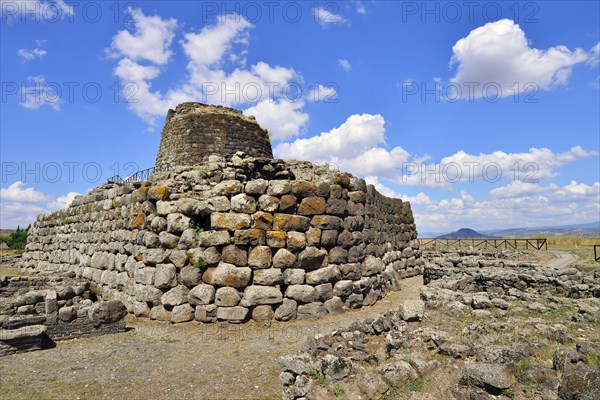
[200,223]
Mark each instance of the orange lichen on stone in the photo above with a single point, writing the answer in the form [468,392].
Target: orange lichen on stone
[159,193]
[312,206]
[276,239]
[138,222]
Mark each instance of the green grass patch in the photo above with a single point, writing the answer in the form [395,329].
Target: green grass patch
[337,390]
[317,376]
[522,365]
[201,264]
[592,359]
[415,385]
[466,381]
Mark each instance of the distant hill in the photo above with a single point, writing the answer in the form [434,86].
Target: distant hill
[465,233]
[590,229]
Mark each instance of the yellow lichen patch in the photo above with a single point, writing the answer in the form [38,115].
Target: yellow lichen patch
[276,238]
[143,191]
[138,222]
[159,193]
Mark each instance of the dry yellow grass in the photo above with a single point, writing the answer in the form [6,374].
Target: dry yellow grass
[573,242]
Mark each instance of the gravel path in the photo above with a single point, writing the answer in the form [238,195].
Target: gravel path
[563,259]
[185,361]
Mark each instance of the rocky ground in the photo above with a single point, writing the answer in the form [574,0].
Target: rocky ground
[156,360]
[485,326]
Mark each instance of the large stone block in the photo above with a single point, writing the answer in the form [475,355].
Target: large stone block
[327,222]
[235,314]
[228,275]
[260,257]
[262,313]
[249,237]
[284,259]
[175,297]
[276,239]
[177,223]
[153,256]
[193,207]
[165,276]
[182,313]
[296,241]
[268,203]
[303,189]
[256,187]
[230,221]
[107,312]
[312,258]
[287,310]
[213,238]
[293,276]
[312,206]
[301,293]
[268,277]
[262,220]
[279,187]
[242,203]
[372,266]
[228,188]
[235,255]
[227,297]
[201,295]
[323,275]
[289,222]
[257,295]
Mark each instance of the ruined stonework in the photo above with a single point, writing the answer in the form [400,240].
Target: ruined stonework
[37,310]
[233,239]
[193,131]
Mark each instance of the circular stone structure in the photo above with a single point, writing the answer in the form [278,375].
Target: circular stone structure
[194,131]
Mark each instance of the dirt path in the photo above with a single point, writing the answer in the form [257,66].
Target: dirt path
[161,361]
[563,259]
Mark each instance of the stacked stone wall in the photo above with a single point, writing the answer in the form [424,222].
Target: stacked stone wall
[194,131]
[233,240]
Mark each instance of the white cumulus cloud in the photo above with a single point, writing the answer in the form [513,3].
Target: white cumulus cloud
[216,72]
[150,41]
[359,146]
[20,205]
[18,192]
[208,46]
[499,55]
[283,119]
[514,205]
[355,146]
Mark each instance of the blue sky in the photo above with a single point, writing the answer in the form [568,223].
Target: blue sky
[505,93]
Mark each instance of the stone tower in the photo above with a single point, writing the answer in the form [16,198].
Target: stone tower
[194,131]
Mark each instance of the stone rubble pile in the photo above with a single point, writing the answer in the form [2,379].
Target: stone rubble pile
[365,357]
[37,310]
[474,274]
[486,327]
